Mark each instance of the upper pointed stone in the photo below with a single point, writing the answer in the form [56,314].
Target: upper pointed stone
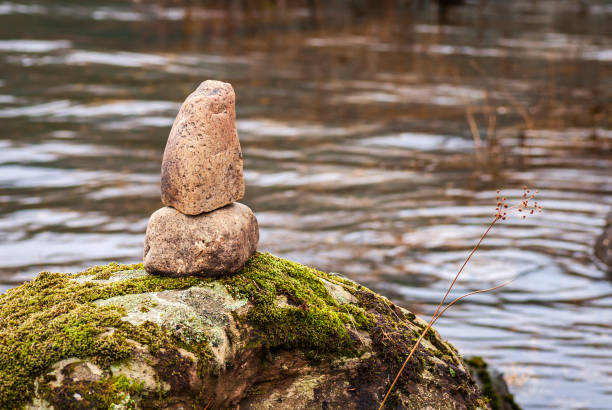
[202,165]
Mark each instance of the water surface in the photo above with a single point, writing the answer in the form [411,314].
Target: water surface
[359,155]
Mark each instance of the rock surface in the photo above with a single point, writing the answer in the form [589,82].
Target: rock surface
[202,164]
[210,244]
[492,384]
[277,335]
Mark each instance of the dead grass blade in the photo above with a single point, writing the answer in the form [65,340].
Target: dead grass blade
[501,210]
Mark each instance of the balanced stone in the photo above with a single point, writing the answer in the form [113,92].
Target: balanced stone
[210,244]
[202,165]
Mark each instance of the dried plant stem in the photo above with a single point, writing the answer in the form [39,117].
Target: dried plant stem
[495,219]
[438,313]
[470,294]
[473,126]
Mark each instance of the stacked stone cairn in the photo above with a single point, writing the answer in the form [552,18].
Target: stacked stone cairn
[202,230]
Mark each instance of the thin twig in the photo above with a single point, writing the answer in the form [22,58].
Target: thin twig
[495,219]
[470,294]
[431,323]
[437,312]
[502,210]
[473,126]
[506,94]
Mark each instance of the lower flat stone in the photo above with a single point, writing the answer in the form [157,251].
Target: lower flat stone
[210,244]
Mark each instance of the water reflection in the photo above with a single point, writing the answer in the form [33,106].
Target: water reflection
[365,134]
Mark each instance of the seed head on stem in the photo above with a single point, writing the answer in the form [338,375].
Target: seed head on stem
[501,212]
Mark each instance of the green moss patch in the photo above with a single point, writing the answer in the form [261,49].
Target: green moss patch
[96,395]
[393,336]
[311,320]
[53,318]
[496,400]
[105,271]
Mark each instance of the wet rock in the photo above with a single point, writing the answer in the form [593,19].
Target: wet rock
[209,244]
[202,164]
[492,384]
[603,245]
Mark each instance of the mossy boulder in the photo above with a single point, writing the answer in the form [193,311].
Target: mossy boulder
[275,335]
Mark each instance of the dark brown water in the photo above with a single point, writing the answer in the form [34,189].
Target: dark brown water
[358,152]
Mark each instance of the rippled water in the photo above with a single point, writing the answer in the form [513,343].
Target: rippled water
[358,152]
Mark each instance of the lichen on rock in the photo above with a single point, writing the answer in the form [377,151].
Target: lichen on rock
[275,335]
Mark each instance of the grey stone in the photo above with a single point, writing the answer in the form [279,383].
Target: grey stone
[202,164]
[209,244]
